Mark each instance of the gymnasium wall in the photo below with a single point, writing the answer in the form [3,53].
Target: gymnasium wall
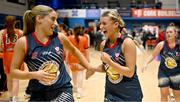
[15,9]
[12,8]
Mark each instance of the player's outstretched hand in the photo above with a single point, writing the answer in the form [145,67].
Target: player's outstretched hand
[144,68]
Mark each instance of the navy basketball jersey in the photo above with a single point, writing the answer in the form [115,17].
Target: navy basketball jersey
[119,87]
[170,59]
[40,56]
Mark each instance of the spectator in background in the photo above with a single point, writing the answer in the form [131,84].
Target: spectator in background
[158,4]
[3,78]
[133,4]
[87,36]
[179,35]
[62,28]
[80,42]
[145,4]
[144,38]
[171,24]
[66,20]
[8,38]
[133,33]
[161,35]
[139,4]
[99,38]
[91,35]
[69,32]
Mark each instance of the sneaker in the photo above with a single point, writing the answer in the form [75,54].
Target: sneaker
[79,95]
[13,99]
[26,95]
[171,98]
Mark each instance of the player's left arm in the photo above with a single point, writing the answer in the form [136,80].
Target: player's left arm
[70,47]
[129,51]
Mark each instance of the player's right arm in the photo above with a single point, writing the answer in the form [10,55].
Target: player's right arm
[100,68]
[17,61]
[155,52]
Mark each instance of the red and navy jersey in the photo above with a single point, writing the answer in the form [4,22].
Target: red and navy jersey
[170,59]
[119,87]
[40,55]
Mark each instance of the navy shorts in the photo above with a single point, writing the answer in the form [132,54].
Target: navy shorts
[172,81]
[55,96]
[64,97]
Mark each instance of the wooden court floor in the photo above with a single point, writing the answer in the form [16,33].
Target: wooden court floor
[93,88]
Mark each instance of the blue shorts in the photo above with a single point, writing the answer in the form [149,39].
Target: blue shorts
[172,81]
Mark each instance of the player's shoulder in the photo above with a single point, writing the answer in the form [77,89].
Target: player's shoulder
[161,44]
[2,31]
[20,31]
[22,39]
[21,43]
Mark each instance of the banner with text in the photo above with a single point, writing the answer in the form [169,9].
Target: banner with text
[156,13]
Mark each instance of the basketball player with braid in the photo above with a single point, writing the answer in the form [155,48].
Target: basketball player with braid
[43,51]
[169,68]
[8,38]
[118,61]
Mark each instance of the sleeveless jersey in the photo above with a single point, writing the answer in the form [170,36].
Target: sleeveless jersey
[170,59]
[9,42]
[41,55]
[119,87]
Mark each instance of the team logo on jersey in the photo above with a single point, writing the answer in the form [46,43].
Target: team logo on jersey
[170,62]
[34,55]
[113,76]
[117,56]
[50,67]
[177,54]
[58,50]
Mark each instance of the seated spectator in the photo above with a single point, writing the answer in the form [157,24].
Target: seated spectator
[158,5]
[133,4]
